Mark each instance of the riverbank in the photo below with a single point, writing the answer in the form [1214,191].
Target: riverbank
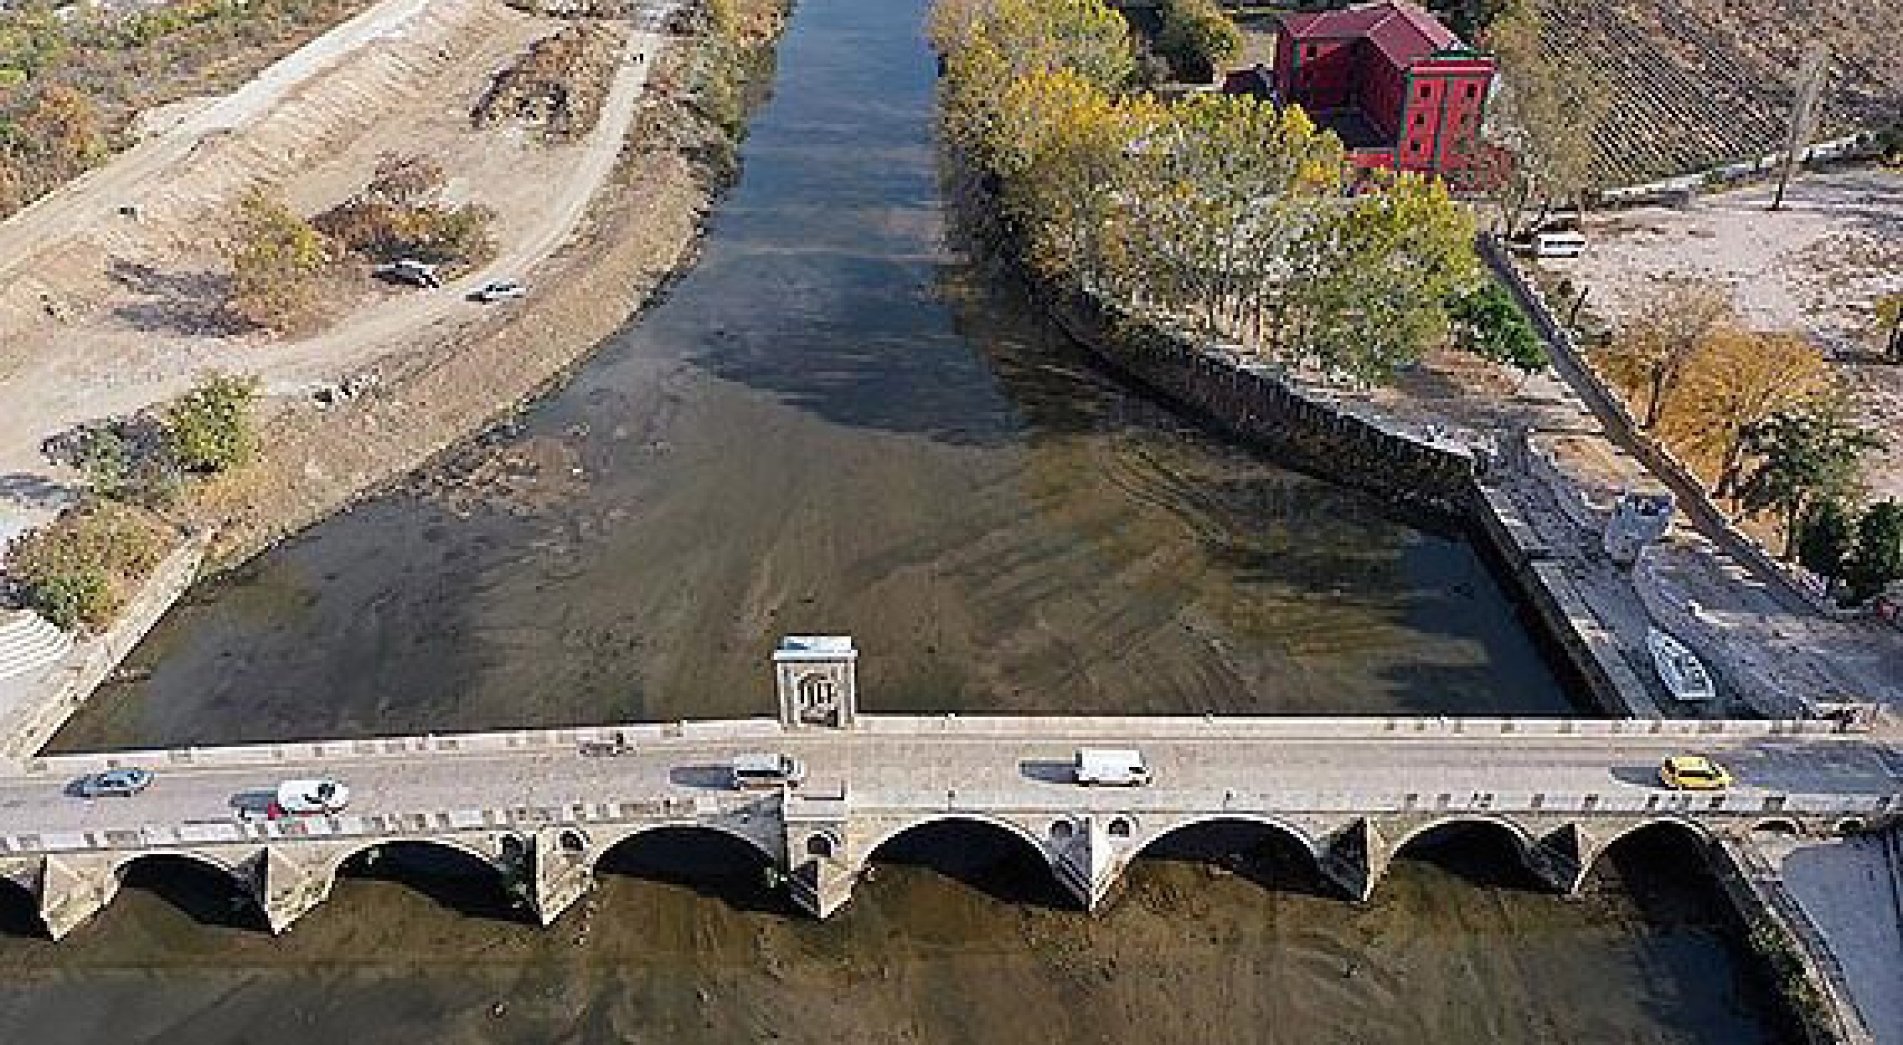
[318,457]
[640,233]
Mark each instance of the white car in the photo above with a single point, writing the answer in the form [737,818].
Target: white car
[499,290]
[311,797]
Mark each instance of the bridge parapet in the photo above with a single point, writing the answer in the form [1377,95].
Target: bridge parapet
[1066,728]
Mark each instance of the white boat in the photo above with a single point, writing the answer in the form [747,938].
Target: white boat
[1682,672]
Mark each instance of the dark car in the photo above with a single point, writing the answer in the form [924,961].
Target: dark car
[121,783]
[409,270]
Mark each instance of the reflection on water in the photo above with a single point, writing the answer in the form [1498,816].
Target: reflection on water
[959,936]
[836,424]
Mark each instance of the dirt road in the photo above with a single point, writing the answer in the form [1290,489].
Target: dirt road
[105,312]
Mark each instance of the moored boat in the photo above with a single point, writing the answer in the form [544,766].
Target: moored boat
[1683,673]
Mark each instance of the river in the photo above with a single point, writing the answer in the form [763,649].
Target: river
[840,422]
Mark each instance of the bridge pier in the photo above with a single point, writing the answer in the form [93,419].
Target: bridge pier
[290,880]
[1354,858]
[1084,859]
[561,871]
[1562,859]
[73,887]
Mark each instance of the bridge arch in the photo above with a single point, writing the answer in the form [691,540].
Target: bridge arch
[125,864]
[1274,824]
[718,830]
[996,823]
[1686,827]
[19,909]
[205,887]
[1525,845]
[1522,838]
[488,891]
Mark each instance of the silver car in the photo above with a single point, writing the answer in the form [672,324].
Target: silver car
[120,783]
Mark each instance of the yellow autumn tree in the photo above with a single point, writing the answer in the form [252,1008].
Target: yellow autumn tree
[1736,379]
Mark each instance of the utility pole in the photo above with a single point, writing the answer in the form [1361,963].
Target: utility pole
[1810,87]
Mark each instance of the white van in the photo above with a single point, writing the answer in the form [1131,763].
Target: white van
[1567,244]
[766,770]
[1111,767]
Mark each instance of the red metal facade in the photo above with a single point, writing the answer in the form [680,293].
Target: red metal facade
[1400,89]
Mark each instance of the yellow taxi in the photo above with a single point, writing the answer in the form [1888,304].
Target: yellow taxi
[1693,773]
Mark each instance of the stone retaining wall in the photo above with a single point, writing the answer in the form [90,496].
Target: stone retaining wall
[1757,892]
[44,707]
[1359,449]
[1254,402]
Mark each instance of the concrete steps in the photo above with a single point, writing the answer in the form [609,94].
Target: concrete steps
[28,642]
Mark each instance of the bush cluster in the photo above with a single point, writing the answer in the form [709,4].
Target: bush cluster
[78,569]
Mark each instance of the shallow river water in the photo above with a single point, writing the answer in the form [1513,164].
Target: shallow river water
[839,422]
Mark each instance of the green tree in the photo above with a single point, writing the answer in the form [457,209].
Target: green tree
[1197,38]
[1826,538]
[1802,457]
[1879,555]
[209,428]
[277,260]
[1889,316]
[1546,115]
[1488,323]
[1371,279]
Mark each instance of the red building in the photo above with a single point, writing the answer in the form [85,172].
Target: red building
[1399,88]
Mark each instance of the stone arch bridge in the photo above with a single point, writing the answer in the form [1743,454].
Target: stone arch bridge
[543,807]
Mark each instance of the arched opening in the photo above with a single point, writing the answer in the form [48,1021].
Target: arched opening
[1663,865]
[1659,879]
[207,893]
[988,856]
[1851,825]
[449,875]
[1268,854]
[1483,851]
[821,845]
[708,861]
[19,910]
[1777,826]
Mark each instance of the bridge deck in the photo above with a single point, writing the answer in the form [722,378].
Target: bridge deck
[906,763]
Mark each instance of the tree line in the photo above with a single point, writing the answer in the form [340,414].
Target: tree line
[1217,212]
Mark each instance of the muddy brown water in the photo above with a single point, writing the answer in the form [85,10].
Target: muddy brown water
[837,422]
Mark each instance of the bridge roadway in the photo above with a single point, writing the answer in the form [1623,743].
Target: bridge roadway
[532,804]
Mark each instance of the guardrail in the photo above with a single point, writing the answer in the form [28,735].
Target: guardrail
[1056,727]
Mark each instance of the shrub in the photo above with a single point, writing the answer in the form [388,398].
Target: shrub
[209,428]
[277,262]
[396,216]
[1196,38]
[78,568]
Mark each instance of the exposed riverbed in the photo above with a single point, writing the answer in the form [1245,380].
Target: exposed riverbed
[838,423]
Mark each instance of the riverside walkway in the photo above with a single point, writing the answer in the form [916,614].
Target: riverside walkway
[544,806]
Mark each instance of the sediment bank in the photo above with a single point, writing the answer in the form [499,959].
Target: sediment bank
[642,231]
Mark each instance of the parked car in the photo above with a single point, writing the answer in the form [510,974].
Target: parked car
[766,770]
[409,270]
[1111,767]
[498,290]
[1694,773]
[309,798]
[123,782]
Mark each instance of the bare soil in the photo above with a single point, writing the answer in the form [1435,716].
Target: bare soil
[112,289]
[1817,267]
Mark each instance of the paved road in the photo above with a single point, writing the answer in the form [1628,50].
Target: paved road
[984,766]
